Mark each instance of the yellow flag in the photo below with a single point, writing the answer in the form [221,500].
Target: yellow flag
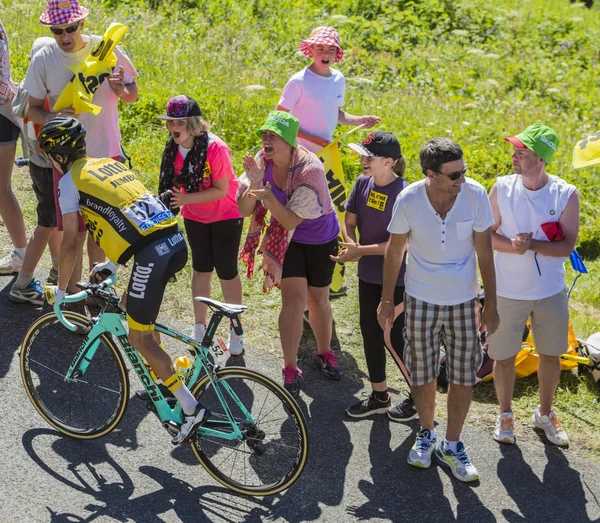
[89,74]
[332,162]
[587,151]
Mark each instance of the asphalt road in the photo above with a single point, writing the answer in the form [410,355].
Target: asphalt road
[357,470]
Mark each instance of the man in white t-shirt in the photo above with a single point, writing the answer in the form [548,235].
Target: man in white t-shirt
[49,73]
[536,222]
[446,220]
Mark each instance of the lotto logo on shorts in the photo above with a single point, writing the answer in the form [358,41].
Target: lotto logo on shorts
[139,280]
[162,249]
[377,200]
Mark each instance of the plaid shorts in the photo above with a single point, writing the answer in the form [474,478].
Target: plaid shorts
[456,326]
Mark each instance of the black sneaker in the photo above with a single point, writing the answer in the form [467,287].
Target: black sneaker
[292,380]
[343,290]
[370,405]
[404,411]
[329,365]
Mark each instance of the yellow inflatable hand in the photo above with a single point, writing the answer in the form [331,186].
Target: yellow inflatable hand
[587,151]
[89,74]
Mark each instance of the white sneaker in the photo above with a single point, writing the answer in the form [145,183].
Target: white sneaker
[198,331]
[420,453]
[235,343]
[505,426]
[190,424]
[11,263]
[551,426]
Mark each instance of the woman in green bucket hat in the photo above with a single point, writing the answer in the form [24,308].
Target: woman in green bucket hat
[289,181]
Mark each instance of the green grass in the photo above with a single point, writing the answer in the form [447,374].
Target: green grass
[475,71]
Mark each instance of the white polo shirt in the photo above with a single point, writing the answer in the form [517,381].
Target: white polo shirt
[441,267]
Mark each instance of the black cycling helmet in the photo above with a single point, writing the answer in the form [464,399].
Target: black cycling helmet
[62,135]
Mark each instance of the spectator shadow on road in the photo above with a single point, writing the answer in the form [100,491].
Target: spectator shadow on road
[15,319]
[88,469]
[399,492]
[558,496]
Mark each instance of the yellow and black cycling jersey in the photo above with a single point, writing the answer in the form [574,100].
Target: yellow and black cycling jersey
[118,211]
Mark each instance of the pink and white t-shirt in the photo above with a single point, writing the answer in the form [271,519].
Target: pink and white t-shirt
[49,73]
[218,166]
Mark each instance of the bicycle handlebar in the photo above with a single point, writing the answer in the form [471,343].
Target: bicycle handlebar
[72,298]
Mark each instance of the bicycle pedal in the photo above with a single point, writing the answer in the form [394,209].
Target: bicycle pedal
[172,428]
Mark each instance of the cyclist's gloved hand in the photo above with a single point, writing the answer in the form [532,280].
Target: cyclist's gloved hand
[166,197]
[53,294]
[101,271]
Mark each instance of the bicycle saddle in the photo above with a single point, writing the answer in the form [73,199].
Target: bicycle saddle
[228,309]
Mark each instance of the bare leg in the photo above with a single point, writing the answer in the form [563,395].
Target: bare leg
[424,398]
[504,380]
[95,253]
[78,268]
[10,209]
[548,378]
[232,290]
[380,387]
[459,401]
[35,248]
[321,319]
[293,297]
[200,287]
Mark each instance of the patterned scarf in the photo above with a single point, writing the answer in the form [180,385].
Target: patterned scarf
[191,177]
[303,167]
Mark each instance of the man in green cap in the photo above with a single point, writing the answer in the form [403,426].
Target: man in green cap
[536,217]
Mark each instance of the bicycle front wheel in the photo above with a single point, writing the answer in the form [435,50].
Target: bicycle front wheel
[87,406]
[274,448]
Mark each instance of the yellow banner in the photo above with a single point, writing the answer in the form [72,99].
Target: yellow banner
[332,162]
[89,74]
[587,151]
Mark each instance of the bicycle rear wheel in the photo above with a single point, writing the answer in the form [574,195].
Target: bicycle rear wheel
[87,406]
[274,449]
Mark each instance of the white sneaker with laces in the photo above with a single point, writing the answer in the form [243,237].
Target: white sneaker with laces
[190,424]
[198,331]
[420,454]
[551,426]
[505,426]
[235,343]
[11,263]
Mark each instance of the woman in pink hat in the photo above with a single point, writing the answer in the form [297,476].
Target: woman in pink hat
[315,95]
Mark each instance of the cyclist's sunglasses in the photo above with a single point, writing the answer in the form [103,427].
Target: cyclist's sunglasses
[455,175]
[68,30]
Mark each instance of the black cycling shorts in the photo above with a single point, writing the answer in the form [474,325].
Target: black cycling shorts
[215,246]
[9,132]
[153,266]
[41,178]
[303,260]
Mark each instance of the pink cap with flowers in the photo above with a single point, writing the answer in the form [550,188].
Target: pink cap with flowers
[61,12]
[323,35]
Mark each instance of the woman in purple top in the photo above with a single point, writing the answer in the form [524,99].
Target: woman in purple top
[369,209]
[290,182]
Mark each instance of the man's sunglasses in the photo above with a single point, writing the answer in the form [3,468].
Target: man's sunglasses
[454,176]
[69,30]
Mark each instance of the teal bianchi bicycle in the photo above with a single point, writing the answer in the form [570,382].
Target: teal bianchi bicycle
[255,442]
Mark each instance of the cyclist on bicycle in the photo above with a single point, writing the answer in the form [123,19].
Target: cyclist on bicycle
[126,221]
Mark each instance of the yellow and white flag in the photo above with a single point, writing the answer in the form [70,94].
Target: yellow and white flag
[89,74]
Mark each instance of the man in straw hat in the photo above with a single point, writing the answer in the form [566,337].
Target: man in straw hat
[49,73]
